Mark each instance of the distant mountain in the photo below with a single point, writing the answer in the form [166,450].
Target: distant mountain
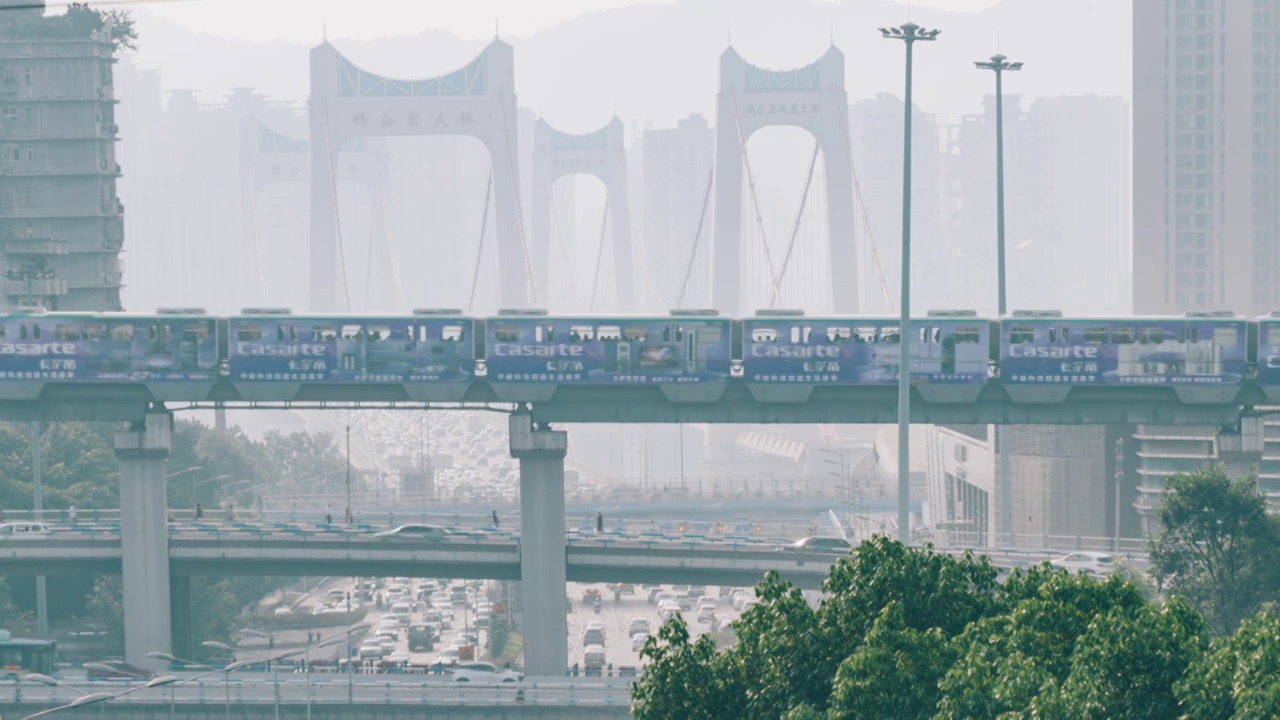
[659,62]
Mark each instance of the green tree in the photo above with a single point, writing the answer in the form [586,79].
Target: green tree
[1239,677]
[1217,546]
[214,611]
[679,682]
[894,673]
[106,608]
[1127,663]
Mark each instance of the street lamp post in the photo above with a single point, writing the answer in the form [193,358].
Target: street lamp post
[909,33]
[999,64]
[88,698]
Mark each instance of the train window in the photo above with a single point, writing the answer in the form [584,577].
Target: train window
[1193,334]
[199,331]
[1019,334]
[122,332]
[609,332]
[581,333]
[506,333]
[637,333]
[1123,336]
[324,333]
[544,333]
[2,331]
[1151,335]
[66,331]
[379,333]
[763,335]
[967,335]
[801,335]
[453,333]
[245,332]
[158,333]
[1095,335]
[94,331]
[864,334]
[839,334]
[351,332]
[679,333]
[1059,335]
[889,335]
[1224,336]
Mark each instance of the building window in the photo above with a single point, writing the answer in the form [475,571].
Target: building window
[8,153]
[31,155]
[9,112]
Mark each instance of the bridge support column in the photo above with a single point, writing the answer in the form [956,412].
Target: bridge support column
[143,451]
[542,549]
[180,616]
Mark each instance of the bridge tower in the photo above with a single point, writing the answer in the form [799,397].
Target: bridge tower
[267,158]
[477,100]
[601,153]
[812,97]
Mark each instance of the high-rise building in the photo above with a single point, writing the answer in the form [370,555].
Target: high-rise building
[1089,167]
[1032,239]
[61,224]
[677,166]
[875,129]
[1206,181]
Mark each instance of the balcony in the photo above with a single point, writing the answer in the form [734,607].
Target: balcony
[33,246]
[16,290]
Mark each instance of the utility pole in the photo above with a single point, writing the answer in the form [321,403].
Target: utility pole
[909,33]
[999,64]
[347,515]
[37,493]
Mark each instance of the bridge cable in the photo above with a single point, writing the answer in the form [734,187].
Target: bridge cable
[604,224]
[257,235]
[755,201]
[564,245]
[862,207]
[795,229]
[484,225]
[697,235]
[515,183]
[337,218]
[637,245]
[385,202]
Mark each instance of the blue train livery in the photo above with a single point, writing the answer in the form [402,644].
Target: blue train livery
[1269,350]
[108,347]
[348,349]
[1124,351]
[864,350]
[576,350]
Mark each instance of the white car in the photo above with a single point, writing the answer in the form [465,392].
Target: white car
[283,610]
[371,650]
[448,656]
[484,672]
[398,657]
[638,626]
[1092,563]
[22,529]
[415,532]
[638,640]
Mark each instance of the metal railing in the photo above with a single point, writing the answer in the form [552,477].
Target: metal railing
[333,690]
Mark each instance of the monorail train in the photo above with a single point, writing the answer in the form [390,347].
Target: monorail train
[957,349]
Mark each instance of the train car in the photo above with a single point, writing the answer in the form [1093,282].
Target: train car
[1203,355]
[529,354]
[430,355]
[174,353]
[786,354]
[1268,355]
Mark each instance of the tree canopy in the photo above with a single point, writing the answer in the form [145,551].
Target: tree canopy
[915,633]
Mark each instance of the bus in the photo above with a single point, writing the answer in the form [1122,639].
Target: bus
[19,656]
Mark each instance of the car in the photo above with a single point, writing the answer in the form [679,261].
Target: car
[484,672]
[697,591]
[820,545]
[595,625]
[415,532]
[593,637]
[283,610]
[706,601]
[638,626]
[667,609]
[591,595]
[398,657]
[116,670]
[388,643]
[638,640]
[1092,563]
[371,650]
[22,529]
[740,601]
[448,656]
[706,614]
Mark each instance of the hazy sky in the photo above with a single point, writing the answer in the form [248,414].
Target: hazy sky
[302,21]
